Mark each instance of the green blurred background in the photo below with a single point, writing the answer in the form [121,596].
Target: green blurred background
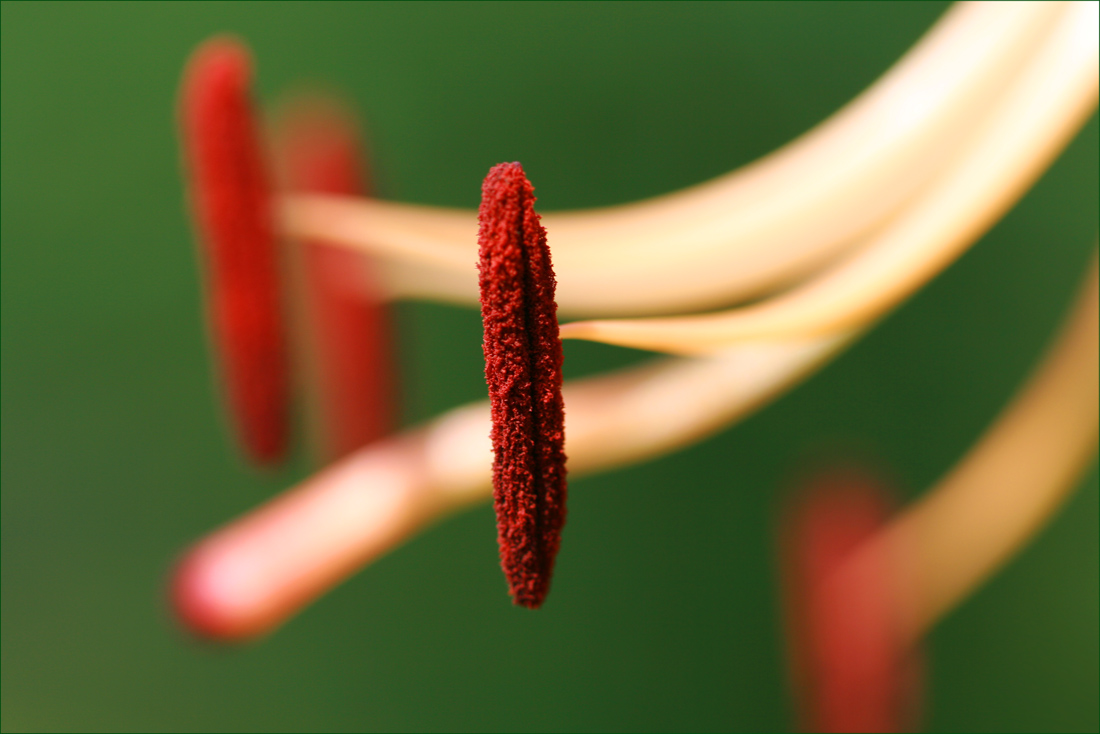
[663,614]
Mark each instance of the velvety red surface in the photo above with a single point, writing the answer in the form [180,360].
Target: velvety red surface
[523,359]
[231,199]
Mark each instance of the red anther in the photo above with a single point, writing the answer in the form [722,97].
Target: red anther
[232,206]
[348,322]
[523,368]
[852,667]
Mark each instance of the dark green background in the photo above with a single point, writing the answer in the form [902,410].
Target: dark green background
[663,614]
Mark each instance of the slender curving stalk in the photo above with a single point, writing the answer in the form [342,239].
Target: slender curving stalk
[861,590]
[1001,493]
[1019,138]
[753,230]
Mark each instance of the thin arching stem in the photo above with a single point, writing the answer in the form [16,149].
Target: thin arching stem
[1006,488]
[746,233]
[1021,136]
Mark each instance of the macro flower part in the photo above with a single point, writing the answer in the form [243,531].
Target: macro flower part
[988,506]
[828,233]
[857,213]
[231,197]
[851,668]
[342,343]
[523,359]
[345,341]
[862,585]
[1015,138]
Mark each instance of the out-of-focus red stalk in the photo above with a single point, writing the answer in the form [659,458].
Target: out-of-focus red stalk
[231,198]
[347,328]
[851,669]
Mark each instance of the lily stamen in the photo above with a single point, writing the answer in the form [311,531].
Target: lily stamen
[1017,81]
[232,199]
[345,341]
[523,359]
[1020,471]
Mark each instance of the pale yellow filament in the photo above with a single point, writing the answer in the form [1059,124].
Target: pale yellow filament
[1021,136]
[1003,491]
[745,233]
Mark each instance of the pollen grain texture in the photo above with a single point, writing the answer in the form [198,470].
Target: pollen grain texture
[523,358]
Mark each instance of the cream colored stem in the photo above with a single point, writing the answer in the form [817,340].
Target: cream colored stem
[250,576]
[988,507]
[1022,135]
[745,233]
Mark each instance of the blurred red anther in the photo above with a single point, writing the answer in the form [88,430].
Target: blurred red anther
[852,671]
[231,199]
[523,357]
[347,321]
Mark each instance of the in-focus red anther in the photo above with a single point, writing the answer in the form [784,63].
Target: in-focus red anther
[523,358]
[231,199]
[348,326]
[852,669]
